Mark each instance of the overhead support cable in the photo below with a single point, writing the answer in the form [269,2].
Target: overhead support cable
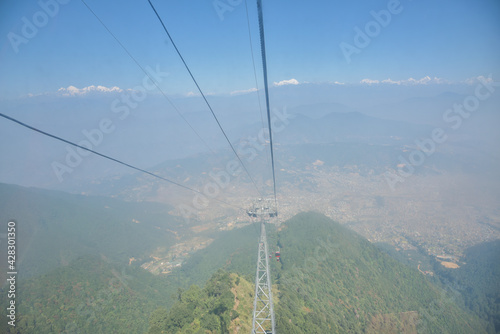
[108,157]
[204,97]
[255,73]
[148,75]
[264,68]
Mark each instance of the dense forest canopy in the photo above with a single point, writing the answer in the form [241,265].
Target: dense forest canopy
[328,280]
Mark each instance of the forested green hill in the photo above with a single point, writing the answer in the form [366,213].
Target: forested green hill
[478,281]
[75,277]
[329,280]
[55,228]
[90,295]
[334,281]
[73,261]
[93,294]
[223,304]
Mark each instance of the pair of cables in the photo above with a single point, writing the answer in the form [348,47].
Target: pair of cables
[261,28]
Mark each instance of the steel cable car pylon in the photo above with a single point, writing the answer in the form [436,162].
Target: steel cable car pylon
[263,309]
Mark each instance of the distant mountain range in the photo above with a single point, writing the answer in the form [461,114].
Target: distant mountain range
[153,132]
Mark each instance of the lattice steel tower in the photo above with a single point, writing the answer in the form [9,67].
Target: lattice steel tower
[263,310]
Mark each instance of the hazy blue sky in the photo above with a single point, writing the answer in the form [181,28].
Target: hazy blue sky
[50,44]
[450,39]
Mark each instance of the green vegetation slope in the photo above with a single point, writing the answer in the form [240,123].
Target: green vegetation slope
[477,281]
[334,281]
[89,295]
[55,228]
[329,280]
